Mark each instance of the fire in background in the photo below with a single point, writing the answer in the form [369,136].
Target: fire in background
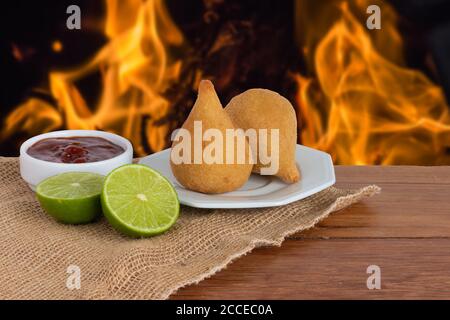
[354,94]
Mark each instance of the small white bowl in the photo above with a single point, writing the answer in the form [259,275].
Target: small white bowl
[34,170]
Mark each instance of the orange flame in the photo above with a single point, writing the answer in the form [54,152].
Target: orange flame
[366,109]
[359,102]
[136,69]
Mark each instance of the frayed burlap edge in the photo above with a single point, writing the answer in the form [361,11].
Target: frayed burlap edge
[340,203]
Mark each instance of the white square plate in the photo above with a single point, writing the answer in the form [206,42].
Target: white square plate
[317,174]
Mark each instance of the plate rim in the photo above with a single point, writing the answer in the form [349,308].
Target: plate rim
[257,204]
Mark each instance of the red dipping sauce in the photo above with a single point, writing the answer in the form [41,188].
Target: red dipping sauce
[74,149]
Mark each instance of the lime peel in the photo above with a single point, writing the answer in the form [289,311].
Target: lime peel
[71,197]
[138,201]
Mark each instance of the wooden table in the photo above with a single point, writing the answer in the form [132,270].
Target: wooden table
[405,231]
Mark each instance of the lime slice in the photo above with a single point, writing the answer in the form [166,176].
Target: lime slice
[139,201]
[72,197]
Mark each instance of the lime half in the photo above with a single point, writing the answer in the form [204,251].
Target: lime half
[72,197]
[139,201]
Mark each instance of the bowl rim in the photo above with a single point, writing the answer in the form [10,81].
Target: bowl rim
[112,137]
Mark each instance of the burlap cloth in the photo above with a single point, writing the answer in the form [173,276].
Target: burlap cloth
[36,251]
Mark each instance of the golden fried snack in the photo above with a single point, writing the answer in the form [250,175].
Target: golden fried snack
[221,169]
[265,109]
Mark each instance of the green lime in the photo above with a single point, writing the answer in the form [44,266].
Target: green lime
[72,197]
[139,201]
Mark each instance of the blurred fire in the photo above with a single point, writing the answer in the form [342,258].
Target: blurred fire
[365,107]
[136,70]
[359,102]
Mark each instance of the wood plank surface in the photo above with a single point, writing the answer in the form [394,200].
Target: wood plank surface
[405,230]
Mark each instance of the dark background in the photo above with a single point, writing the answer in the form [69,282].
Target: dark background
[32,26]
